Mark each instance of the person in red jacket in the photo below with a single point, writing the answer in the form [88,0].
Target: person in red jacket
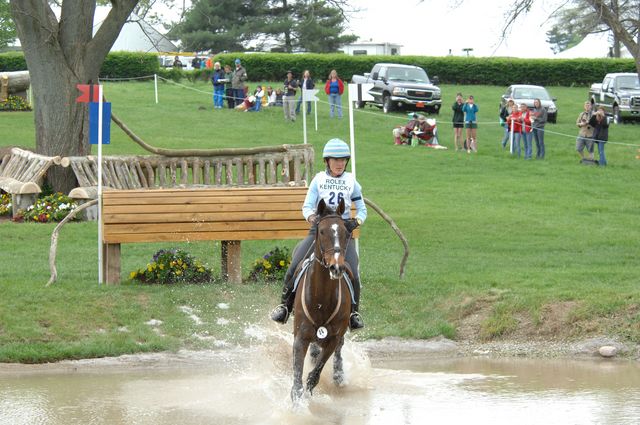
[334,89]
[514,122]
[527,135]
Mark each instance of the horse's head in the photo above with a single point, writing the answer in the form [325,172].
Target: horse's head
[331,239]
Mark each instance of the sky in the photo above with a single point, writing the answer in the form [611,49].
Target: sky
[434,27]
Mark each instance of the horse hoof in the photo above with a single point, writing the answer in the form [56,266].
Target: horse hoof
[338,379]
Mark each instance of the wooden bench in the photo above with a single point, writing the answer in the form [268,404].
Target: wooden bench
[229,215]
[291,166]
[21,174]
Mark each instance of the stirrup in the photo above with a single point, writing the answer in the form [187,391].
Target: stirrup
[280,314]
[355,321]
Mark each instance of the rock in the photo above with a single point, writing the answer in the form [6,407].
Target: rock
[608,351]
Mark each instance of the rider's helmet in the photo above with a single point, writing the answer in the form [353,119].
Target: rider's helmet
[336,148]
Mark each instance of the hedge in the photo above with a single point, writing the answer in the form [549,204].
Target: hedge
[449,69]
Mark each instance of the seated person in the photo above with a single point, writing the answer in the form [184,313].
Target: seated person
[271,96]
[259,95]
[279,97]
[247,104]
[422,129]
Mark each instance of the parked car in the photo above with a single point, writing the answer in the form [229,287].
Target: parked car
[619,95]
[398,86]
[524,93]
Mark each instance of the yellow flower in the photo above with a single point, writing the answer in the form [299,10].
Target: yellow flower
[178,272]
[281,263]
[267,266]
[184,266]
[133,275]
[149,267]
[161,266]
[201,270]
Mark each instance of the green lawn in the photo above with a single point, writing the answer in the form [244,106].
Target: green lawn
[512,242]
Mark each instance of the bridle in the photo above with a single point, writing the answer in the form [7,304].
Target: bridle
[323,252]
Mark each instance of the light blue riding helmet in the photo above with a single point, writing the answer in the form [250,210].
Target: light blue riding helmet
[336,148]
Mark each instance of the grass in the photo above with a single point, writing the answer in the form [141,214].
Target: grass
[495,238]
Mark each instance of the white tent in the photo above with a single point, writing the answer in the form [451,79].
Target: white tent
[136,35]
[593,46]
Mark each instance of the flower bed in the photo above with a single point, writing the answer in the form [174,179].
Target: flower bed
[172,266]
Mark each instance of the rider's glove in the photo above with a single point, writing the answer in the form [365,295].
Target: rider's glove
[351,224]
[312,219]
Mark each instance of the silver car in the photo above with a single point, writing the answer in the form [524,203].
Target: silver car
[523,93]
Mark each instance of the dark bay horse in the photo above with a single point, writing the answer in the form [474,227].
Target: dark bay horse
[323,302]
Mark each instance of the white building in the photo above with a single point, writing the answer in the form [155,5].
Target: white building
[371,48]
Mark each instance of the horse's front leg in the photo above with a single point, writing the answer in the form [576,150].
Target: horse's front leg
[314,375]
[338,372]
[299,352]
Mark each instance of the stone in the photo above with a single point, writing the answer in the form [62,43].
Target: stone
[608,351]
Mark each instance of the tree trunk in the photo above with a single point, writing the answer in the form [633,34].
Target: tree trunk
[61,54]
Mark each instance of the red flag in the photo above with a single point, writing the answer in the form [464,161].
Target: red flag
[88,93]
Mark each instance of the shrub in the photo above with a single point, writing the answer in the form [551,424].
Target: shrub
[172,266]
[272,266]
[53,207]
[5,203]
[15,103]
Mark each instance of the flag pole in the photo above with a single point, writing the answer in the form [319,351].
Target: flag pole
[100,252]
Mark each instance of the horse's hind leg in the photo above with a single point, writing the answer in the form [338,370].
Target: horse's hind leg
[299,352]
[338,372]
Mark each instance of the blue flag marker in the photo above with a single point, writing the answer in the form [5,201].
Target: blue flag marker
[93,123]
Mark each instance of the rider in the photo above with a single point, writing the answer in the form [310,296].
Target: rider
[332,185]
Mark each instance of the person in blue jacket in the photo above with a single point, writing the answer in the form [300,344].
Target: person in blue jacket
[333,184]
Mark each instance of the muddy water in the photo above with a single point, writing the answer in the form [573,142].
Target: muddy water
[251,386]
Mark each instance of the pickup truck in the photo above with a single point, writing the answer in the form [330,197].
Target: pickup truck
[397,86]
[619,95]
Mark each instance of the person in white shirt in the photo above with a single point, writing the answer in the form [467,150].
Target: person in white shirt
[332,185]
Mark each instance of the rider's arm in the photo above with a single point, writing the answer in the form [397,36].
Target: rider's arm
[311,200]
[358,202]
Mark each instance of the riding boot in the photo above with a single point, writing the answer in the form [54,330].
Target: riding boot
[355,320]
[281,313]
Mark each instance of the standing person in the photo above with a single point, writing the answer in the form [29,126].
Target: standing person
[306,84]
[218,80]
[470,110]
[237,82]
[600,124]
[289,97]
[585,132]
[208,64]
[334,89]
[228,88]
[195,63]
[538,121]
[525,117]
[332,185]
[505,111]
[458,121]
[177,63]
[514,121]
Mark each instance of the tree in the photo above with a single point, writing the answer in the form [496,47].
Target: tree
[61,53]
[7,28]
[621,17]
[219,25]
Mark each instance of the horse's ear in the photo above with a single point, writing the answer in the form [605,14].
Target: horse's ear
[340,209]
[321,207]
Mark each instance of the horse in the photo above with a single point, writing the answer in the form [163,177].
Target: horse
[322,302]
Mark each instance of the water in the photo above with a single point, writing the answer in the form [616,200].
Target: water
[251,386]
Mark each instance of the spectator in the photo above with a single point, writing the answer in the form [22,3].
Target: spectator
[208,64]
[195,63]
[259,95]
[247,104]
[306,84]
[514,123]
[177,63]
[228,89]
[600,124]
[237,82]
[505,111]
[525,118]
[585,133]
[538,121]
[458,121]
[289,97]
[279,97]
[334,88]
[218,80]
[470,110]
[419,130]
[271,96]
